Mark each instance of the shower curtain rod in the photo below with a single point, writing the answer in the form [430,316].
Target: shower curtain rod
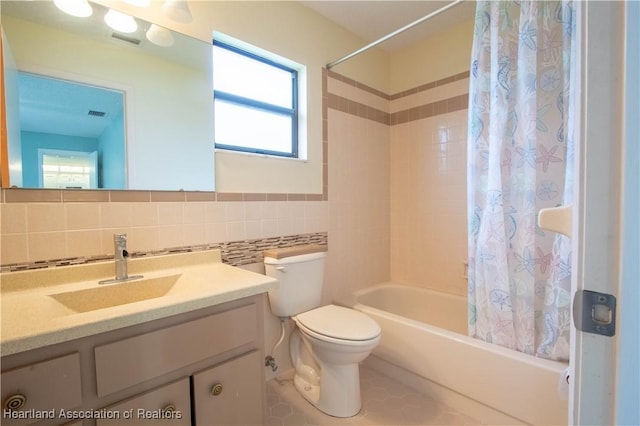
[393,34]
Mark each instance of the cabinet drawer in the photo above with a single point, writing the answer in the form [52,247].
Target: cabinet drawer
[168,405]
[238,396]
[47,387]
[134,360]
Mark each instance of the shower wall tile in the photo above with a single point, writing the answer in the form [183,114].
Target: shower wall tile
[358,209]
[438,93]
[357,94]
[428,201]
[428,185]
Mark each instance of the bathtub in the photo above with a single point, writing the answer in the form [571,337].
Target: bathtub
[424,341]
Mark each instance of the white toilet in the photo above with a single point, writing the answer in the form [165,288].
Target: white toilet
[335,337]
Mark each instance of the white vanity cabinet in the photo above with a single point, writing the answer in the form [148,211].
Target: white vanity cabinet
[204,367]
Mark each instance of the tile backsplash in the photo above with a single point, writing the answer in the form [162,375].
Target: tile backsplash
[236,253]
[36,232]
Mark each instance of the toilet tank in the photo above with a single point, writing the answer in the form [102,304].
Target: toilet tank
[300,271]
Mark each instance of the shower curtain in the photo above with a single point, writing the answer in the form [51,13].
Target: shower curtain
[520,159]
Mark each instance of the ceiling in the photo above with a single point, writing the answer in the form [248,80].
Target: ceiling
[49,105]
[372,20]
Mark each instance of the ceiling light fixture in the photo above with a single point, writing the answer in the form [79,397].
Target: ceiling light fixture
[178,10]
[138,3]
[159,35]
[120,21]
[78,8]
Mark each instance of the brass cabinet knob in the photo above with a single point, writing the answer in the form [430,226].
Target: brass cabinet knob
[15,402]
[169,408]
[216,389]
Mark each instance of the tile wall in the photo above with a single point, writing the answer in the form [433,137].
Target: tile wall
[428,185]
[358,136]
[36,231]
[398,184]
[392,204]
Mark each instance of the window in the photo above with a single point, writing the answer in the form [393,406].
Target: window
[255,103]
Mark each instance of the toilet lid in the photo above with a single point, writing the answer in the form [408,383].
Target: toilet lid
[340,323]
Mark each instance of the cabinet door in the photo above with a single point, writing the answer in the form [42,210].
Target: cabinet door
[230,393]
[168,405]
[45,390]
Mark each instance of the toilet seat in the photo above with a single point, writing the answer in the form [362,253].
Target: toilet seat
[338,324]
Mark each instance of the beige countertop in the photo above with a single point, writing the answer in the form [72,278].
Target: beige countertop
[32,316]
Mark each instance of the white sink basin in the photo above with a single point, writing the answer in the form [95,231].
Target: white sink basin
[110,295]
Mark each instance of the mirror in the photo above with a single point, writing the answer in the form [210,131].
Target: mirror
[71,135]
[145,110]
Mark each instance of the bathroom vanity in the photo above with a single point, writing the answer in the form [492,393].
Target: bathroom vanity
[181,346]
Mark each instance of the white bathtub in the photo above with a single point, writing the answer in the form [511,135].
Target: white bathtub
[424,333]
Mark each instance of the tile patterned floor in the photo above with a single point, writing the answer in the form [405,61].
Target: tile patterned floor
[385,402]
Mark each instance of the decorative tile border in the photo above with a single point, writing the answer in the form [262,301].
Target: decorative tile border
[455,103]
[358,109]
[428,86]
[235,253]
[37,195]
[357,84]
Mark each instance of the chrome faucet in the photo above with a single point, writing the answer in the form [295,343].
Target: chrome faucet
[120,255]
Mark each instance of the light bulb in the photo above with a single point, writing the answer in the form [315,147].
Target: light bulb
[120,21]
[178,10]
[138,3]
[78,8]
[159,36]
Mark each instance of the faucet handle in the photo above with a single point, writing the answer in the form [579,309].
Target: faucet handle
[120,246]
[120,242]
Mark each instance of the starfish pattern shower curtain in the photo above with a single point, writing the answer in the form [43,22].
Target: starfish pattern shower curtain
[520,138]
